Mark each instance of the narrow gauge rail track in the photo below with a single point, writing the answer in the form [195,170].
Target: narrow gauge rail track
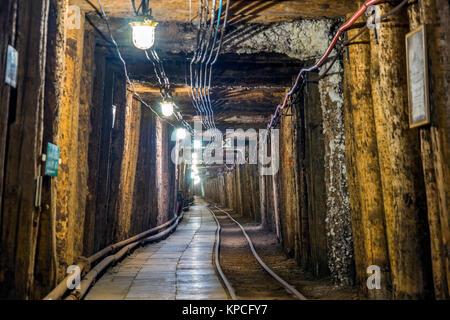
[258,278]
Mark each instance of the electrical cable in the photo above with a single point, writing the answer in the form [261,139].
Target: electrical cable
[194,57]
[343,28]
[130,83]
[201,63]
[208,101]
[224,25]
[319,63]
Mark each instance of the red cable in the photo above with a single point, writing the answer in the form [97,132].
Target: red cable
[344,27]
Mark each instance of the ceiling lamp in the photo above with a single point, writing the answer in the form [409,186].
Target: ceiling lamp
[197,180]
[167,108]
[181,133]
[143,26]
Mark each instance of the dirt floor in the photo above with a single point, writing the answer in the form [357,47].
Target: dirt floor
[249,279]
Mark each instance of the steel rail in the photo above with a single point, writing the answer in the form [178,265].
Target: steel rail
[286,285]
[229,287]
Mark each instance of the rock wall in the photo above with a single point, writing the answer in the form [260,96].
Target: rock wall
[337,221]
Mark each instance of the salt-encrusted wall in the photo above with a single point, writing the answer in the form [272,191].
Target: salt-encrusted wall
[338,222]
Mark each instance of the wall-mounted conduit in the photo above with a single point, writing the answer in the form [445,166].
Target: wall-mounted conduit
[124,247]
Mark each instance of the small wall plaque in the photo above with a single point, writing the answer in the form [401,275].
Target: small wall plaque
[11,67]
[52,160]
[417,69]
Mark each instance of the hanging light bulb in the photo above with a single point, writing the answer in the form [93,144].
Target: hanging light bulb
[167,108]
[181,133]
[143,33]
[197,144]
[143,26]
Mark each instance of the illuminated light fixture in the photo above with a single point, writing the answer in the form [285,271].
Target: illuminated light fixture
[197,144]
[193,175]
[197,180]
[144,33]
[167,108]
[181,133]
[143,26]
[194,156]
[194,167]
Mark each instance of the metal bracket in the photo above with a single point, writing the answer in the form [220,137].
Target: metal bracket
[373,20]
[38,198]
[346,52]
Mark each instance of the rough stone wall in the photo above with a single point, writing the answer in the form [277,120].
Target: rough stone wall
[303,40]
[338,224]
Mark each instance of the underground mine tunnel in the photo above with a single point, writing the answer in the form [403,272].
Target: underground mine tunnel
[224,149]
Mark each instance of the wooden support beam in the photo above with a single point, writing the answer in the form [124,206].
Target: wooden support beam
[405,225]
[162,171]
[94,153]
[68,227]
[261,11]
[20,217]
[424,13]
[46,255]
[369,188]
[359,252]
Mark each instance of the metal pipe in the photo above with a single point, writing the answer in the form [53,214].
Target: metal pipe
[61,288]
[100,267]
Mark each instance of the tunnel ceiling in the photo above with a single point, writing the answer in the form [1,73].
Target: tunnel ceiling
[265,45]
[249,10]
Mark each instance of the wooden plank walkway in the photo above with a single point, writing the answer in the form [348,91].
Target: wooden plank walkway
[179,267]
